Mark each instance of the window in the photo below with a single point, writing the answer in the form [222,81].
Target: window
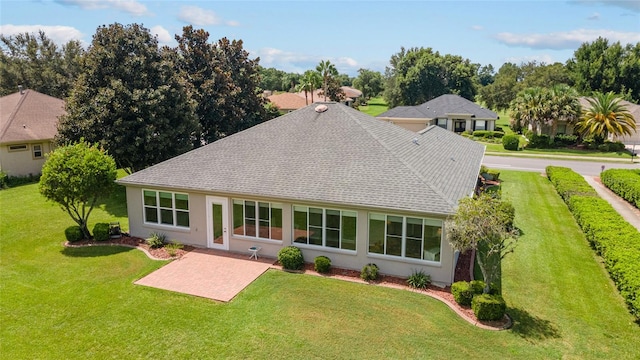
[37,151]
[481,125]
[325,227]
[262,220]
[20,147]
[442,123]
[562,129]
[166,208]
[459,125]
[404,236]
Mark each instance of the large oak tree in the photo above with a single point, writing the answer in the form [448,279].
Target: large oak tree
[129,99]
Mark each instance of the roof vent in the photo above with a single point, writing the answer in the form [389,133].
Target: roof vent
[415,141]
[321,108]
[20,89]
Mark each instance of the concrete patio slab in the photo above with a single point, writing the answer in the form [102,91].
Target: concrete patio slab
[212,274]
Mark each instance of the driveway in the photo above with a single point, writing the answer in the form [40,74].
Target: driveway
[208,273]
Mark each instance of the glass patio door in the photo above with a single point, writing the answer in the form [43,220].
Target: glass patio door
[217,221]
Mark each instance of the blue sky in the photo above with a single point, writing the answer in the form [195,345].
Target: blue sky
[295,35]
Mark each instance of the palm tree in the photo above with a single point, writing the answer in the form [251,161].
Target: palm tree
[309,81]
[563,106]
[606,116]
[528,108]
[327,70]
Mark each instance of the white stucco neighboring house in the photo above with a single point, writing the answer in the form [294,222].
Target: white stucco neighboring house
[451,112]
[326,178]
[28,124]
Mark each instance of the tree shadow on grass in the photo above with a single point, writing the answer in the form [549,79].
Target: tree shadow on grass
[531,327]
[94,251]
[116,203]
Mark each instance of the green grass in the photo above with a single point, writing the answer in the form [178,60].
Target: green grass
[498,148]
[503,121]
[82,303]
[375,106]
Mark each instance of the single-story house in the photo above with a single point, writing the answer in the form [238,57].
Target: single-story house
[287,102]
[326,178]
[28,124]
[451,112]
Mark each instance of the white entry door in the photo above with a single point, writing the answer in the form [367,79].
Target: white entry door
[217,221]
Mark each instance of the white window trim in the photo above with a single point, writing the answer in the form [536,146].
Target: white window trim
[324,228]
[257,221]
[159,224]
[33,151]
[402,257]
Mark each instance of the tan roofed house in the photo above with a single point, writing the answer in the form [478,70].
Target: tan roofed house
[28,124]
[326,178]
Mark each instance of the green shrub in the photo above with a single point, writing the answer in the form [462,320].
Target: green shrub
[610,146]
[369,272]
[73,233]
[565,140]
[290,257]
[488,134]
[539,142]
[156,240]
[476,286]
[462,293]
[3,179]
[568,183]
[609,234]
[511,142]
[322,264]
[625,183]
[488,307]
[419,280]
[101,232]
[173,247]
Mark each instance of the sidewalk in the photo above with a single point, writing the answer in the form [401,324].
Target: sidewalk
[626,210]
[564,157]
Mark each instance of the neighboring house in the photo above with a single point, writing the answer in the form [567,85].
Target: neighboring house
[451,112]
[28,124]
[634,109]
[287,102]
[351,94]
[326,178]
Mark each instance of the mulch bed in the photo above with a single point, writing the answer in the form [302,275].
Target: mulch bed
[135,242]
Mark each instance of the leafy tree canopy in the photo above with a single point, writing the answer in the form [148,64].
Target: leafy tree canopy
[418,75]
[76,177]
[369,82]
[35,62]
[484,223]
[129,100]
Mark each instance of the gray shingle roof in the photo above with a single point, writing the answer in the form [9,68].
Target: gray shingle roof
[440,107]
[340,156]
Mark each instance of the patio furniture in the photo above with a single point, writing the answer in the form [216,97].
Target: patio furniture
[114,230]
[254,252]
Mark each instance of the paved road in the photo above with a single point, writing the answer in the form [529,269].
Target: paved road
[588,168]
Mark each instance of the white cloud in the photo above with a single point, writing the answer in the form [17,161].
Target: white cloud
[132,7]
[477,27]
[58,34]
[565,40]
[201,17]
[594,16]
[540,59]
[299,63]
[164,37]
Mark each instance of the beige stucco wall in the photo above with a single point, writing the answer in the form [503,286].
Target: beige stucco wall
[197,235]
[22,163]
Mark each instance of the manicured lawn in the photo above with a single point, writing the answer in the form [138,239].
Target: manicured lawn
[560,152]
[375,107]
[81,303]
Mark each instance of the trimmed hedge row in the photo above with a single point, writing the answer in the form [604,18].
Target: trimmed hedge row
[568,183]
[624,182]
[610,235]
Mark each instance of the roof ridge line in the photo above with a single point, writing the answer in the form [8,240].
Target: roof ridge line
[420,177]
[13,113]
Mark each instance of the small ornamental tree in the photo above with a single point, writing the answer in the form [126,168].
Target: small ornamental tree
[76,176]
[484,223]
